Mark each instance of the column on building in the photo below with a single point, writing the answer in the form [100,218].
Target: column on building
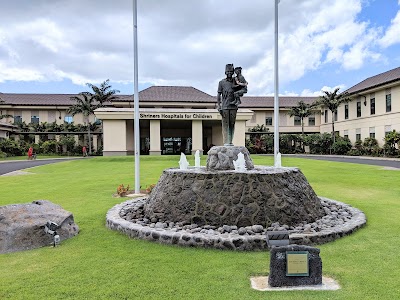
[155,139]
[114,137]
[239,138]
[95,146]
[197,136]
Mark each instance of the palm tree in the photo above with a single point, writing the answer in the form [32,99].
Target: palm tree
[303,110]
[332,100]
[85,105]
[104,93]
[88,102]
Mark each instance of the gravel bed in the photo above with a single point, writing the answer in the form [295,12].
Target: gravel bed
[128,217]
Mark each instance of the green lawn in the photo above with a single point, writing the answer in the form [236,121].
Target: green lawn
[40,156]
[104,264]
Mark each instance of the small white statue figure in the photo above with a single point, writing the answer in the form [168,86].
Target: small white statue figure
[197,159]
[240,164]
[183,162]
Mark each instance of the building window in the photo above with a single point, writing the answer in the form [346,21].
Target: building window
[372,132]
[358,134]
[297,121]
[388,103]
[268,121]
[346,111]
[346,134]
[35,117]
[372,106]
[68,119]
[326,115]
[358,109]
[51,117]
[335,115]
[17,117]
[388,129]
[311,121]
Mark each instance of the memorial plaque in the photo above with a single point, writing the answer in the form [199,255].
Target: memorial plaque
[297,263]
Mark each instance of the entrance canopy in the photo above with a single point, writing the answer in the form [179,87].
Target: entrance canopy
[188,129]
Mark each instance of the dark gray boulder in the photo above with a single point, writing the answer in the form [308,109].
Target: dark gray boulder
[22,225]
[222,157]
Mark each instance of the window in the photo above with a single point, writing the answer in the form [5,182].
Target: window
[388,129]
[372,106]
[17,117]
[268,121]
[372,132]
[346,134]
[51,117]
[335,115]
[358,109]
[388,103]
[35,117]
[358,134]
[68,119]
[297,121]
[326,115]
[346,111]
[97,121]
[311,121]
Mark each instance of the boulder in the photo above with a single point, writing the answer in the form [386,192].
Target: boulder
[22,226]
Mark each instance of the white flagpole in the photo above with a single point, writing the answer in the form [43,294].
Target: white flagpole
[276,95]
[136,100]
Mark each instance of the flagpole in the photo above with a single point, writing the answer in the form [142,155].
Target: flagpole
[136,100]
[276,93]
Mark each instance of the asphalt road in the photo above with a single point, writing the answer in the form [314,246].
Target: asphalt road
[393,163]
[10,166]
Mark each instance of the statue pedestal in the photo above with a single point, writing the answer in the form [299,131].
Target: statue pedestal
[222,157]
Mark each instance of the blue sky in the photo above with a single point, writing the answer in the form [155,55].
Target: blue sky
[57,46]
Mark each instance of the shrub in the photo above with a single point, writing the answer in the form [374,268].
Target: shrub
[122,191]
[49,147]
[319,143]
[341,146]
[371,147]
[10,147]
[391,140]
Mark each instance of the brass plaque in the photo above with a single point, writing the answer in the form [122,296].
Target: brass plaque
[297,263]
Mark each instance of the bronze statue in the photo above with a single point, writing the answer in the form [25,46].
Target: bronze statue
[230,90]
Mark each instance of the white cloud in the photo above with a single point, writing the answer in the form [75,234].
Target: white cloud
[183,42]
[392,34]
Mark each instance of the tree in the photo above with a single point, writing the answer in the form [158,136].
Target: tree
[85,105]
[332,101]
[88,102]
[104,93]
[303,110]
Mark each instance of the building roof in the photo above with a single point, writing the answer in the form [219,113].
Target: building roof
[152,94]
[375,81]
[170,94]
[37,99]
[284,101]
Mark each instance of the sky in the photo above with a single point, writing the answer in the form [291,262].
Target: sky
[57,46]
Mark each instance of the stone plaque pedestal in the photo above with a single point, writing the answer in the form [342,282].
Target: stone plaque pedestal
[278,271]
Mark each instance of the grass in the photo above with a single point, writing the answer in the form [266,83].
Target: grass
[40,156]
[104,264]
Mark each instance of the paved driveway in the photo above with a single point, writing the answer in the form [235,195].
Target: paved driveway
[377,161]
[11,166]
